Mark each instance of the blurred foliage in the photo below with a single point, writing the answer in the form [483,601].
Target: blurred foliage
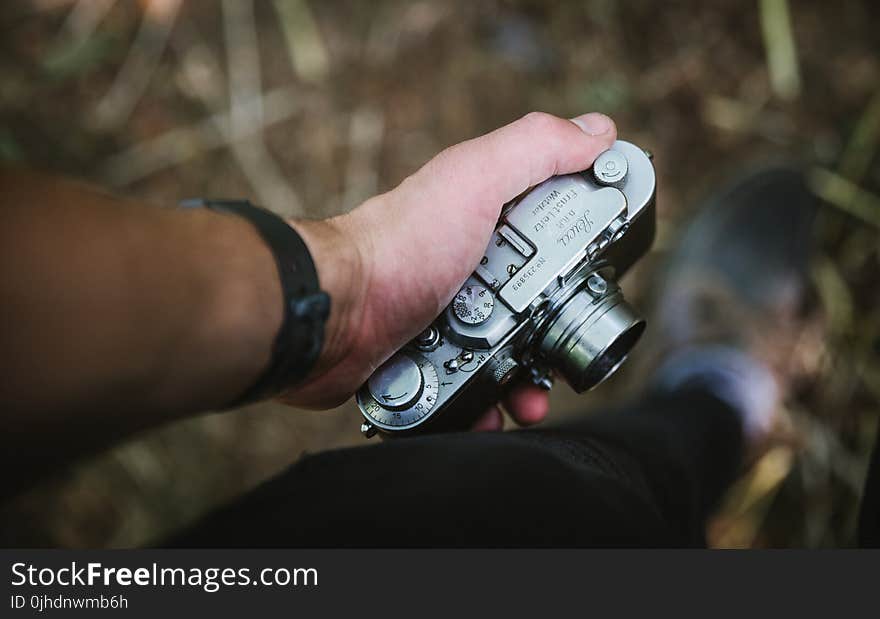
[68,61]
[310,107]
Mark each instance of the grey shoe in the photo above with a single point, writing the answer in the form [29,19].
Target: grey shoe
[731,304]
[741,270]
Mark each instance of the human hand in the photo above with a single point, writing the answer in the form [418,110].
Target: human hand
[395,262]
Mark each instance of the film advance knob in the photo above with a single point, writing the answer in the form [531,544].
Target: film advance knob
[503,370]
[397,383]
[610,168]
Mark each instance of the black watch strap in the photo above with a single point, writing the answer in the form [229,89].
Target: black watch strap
[306,307]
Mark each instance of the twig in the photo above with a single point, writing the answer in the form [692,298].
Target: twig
[143,58]
[183,143]
[862,145]
[749,500]
[246,122]
[77,45]
[365,140]
[83,20]
[51,5]
[845,195]
[782,61]
[835,295]
[305,45]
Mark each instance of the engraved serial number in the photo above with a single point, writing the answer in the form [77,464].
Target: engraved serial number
[527,272]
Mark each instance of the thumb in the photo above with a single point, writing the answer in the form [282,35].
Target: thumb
[488,171]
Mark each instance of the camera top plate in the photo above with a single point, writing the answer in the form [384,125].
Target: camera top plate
[564,217]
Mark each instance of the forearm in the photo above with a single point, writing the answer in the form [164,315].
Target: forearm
[118,315]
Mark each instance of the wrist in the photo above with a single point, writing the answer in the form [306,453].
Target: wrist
[337,252]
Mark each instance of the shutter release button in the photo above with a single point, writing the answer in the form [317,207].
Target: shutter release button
[610,168]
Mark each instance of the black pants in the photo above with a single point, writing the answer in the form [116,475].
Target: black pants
[647,475]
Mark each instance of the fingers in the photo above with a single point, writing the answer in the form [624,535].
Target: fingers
[527,404]
[495,168]
[491,421]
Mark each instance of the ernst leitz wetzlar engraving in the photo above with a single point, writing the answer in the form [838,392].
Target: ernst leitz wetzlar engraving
[543,302]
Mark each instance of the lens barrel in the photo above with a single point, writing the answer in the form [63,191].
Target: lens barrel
[590,336]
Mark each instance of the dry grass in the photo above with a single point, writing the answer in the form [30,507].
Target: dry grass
[311,106]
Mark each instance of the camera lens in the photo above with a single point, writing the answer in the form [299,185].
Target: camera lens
[589,338]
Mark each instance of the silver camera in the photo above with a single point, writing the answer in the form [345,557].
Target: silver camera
[542,302]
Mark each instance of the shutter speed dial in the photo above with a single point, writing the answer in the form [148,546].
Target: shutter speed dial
[473,304]
[401,392]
